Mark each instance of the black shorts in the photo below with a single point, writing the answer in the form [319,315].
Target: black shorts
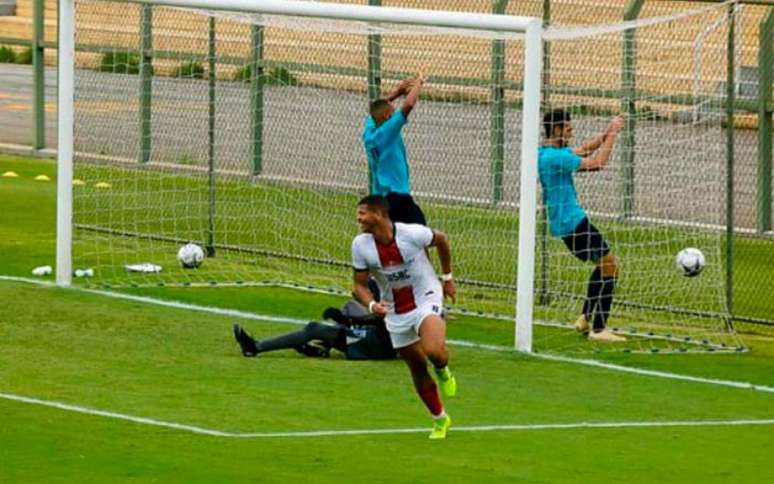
[403,209]
[586,243]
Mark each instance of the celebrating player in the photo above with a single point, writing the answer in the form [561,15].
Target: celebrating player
[557,163]
[387,153]
[395,254]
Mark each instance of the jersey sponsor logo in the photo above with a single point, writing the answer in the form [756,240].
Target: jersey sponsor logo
[397,276]
[390,256]
[356,334]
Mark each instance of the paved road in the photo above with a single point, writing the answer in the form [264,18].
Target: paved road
[679,169]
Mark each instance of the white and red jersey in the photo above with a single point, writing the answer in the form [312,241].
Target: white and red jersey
[401,268]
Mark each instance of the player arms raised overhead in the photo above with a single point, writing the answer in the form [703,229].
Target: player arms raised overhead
[386,152]
[557,164]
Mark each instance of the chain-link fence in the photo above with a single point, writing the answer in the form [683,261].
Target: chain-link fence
[20,112]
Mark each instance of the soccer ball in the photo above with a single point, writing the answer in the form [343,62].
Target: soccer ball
[190,256]
[690,262]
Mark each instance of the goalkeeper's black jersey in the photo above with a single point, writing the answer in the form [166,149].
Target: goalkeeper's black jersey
[369,342]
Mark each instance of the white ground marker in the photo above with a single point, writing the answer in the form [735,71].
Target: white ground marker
[388,431]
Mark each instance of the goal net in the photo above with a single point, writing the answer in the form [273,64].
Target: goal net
[241,132]
[664,188]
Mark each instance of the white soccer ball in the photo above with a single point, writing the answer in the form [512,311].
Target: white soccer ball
[690,262]
[190,256]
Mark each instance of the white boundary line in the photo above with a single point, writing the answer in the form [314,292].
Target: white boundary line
[332,433]
[621,368]
[468,344]
[162,302]
[658,374]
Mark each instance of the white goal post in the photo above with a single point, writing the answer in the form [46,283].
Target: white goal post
[530,28]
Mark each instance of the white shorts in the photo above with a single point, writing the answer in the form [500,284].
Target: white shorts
[404,328]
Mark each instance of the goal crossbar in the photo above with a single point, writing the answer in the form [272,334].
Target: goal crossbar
[363,13]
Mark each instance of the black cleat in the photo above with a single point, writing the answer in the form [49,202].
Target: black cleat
[246,342]
[315,351]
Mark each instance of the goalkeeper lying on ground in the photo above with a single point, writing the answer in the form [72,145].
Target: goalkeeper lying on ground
[357,334]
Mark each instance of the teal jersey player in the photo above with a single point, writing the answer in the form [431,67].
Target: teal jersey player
[387,155]
[386,152]
[557,166]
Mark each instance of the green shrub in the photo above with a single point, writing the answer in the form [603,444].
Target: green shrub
[120,62]
[244,73]
[7,54]
[277,76]
[25,56]
[189,70]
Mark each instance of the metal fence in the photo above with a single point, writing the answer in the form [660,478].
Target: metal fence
[27,100]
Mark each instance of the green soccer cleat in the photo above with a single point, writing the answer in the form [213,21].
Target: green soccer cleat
[440,427]
[446,381]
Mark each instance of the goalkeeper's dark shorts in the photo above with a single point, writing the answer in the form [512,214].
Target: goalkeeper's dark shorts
[586,242]
[403,209]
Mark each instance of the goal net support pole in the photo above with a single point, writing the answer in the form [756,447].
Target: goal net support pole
[65,115]
[528,195]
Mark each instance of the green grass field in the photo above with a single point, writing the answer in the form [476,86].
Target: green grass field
[145,214]
[178,365]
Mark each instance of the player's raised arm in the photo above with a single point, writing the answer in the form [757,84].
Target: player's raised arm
[595,143]
[598,160]
[591,146]
[413,94]
[441,242]
[401,89]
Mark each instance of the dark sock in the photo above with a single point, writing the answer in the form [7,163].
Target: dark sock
[604,304]
[592,293]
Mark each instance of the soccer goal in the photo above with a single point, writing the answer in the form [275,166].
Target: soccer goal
[237,126]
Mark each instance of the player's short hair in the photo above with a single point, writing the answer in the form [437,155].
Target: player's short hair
[377,106]
[555,117]
[376,203]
